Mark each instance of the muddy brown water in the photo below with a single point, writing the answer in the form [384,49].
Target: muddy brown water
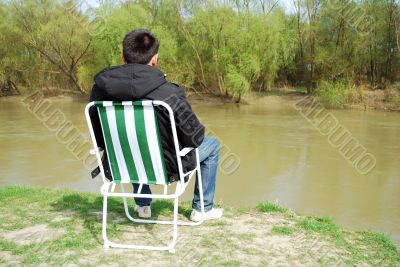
[283,159]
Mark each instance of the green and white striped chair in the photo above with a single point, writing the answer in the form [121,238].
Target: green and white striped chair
[135,155]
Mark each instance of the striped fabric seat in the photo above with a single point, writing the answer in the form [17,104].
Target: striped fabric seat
[132,140]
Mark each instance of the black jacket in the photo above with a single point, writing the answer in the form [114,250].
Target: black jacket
[132,82]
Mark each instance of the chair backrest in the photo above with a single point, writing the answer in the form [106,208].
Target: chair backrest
[132,141]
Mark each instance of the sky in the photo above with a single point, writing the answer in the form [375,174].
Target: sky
[288,5]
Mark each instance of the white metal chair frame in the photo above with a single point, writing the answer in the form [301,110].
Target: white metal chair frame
[108,188]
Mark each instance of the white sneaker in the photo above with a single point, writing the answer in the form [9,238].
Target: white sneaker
[143,212]
[213,214]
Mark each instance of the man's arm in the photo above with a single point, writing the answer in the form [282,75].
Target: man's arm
[189,128]
[97,94]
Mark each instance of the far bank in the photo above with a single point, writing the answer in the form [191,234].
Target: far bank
[332,98]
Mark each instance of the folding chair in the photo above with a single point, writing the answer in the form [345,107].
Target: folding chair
[135,155]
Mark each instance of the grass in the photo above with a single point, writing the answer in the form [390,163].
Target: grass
[383,248]
[270,207]
[332,94]
[322,225]
[282,230]
[243,237]
[340,94]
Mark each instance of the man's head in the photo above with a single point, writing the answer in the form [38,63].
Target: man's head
[140,46]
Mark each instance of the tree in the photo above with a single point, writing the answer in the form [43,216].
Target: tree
[55,32]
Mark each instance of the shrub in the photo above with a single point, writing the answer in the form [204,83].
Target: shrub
[332,94]
[393,97]
[235,83]
[396,85]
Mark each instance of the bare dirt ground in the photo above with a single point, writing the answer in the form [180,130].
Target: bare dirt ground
[234,240]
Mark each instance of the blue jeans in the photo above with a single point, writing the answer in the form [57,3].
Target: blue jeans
[209,155]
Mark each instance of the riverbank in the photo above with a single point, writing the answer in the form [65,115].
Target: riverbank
[54,227]
[385,100]
[356,98]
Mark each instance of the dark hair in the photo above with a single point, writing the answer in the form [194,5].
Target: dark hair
[139,46]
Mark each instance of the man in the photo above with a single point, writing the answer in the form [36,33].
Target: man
[140,79]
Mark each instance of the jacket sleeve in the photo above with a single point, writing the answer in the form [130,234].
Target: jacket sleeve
[97,94]
[189,129]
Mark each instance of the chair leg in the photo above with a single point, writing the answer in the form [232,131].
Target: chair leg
[175,222]
[104,223]
[200,183]
[108,243]
[175,226]
[127,213]
[130,217]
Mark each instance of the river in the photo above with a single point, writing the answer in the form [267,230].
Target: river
[283,159]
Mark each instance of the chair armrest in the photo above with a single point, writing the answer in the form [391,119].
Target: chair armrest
[184,151]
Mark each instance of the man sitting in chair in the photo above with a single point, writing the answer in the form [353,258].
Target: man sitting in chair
[139,79]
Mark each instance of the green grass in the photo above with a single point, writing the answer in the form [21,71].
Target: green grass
[270,207]
[322,225]
[332,94]
[37,206]
[21,207]
[378,240]
[384,251]
[282,230]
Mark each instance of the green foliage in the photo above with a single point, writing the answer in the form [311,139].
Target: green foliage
[392,96]
[381,249]
[236,83]
[238,48]
[323,225]
[396,86]
[332,94]
[282,230]
[270,207]
[378,240]
[116,22]
[221,47]
[112,23]
[46,42]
